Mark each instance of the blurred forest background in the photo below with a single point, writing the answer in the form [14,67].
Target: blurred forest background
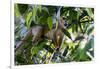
[78,41]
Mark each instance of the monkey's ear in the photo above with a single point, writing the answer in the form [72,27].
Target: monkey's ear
[64,18]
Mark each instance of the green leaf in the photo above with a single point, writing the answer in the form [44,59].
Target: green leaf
[50,22]
[38,47]
[34,13]
[28,19]
[65,51]
[45,9]
[80,26]
[90,30]
[42,20]
[79,38]
[22,8]
[90,44]
[17,13]
[83,56]
[40,8]
[90,13]
[66,33]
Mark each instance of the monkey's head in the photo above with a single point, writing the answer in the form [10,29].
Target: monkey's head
[63,22]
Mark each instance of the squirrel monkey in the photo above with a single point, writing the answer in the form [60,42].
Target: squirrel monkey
[56,35]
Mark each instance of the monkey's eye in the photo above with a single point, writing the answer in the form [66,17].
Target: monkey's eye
[65,24]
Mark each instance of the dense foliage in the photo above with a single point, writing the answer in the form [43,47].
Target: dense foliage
[78,41]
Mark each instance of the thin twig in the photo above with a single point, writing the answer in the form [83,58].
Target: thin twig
[51,57]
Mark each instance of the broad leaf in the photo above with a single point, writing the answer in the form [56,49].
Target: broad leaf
[28,19]
[66,33]
[50,22]
[90,13]
[34,13]
[89,31]
[40,8]
[16,12]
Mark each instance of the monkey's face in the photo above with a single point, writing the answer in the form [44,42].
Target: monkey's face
[63,23]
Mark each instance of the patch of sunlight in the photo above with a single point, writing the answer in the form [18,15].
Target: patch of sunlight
[83,44]
[49,54]
[42,53]
[89,55]
[48,43]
